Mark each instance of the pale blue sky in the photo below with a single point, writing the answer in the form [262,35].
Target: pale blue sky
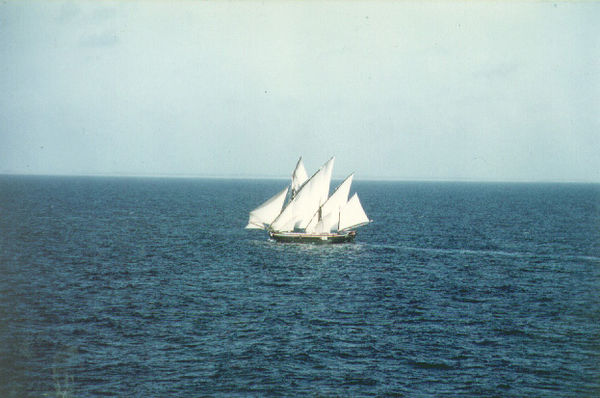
[496,91]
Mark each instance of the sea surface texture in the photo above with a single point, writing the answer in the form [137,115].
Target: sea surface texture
[152,287]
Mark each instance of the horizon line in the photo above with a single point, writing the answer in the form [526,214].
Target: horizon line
[281,177]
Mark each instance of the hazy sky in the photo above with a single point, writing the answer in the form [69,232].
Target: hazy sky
[394,89]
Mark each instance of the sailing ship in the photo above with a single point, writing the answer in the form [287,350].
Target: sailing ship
[309,214]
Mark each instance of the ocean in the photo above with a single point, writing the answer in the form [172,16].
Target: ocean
[152,287]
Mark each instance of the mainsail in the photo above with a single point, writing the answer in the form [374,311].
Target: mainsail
[263,215]
[326,219]
[297,214]
[299,177]
[352,215]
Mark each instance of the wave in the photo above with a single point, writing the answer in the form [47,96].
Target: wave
[486,252]
[431,365]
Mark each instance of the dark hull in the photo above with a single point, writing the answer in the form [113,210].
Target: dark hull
[300,237]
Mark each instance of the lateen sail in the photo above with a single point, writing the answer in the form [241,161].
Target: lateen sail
[326,225]
[299,177]
[330,211]
[263,215]
[310,214]
[352,215]
[313,194]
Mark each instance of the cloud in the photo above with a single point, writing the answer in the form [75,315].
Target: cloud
[497,71]
[103,39]
[69,11]
[95,24]
[103,14]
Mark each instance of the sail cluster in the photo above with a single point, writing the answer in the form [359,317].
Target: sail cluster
[309,208]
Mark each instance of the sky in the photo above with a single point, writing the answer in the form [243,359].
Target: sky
[432,90]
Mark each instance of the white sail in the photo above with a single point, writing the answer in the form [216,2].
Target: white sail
[330,211]
[353,214]
[325,225]
[263,215]
[303,206]
[299,177]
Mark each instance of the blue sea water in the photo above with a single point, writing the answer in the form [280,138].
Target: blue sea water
[151,287]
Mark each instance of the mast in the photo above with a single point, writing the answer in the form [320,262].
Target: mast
[312,194]
[299,177]
[334,204]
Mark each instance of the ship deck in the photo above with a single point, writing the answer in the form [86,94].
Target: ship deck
[303,237]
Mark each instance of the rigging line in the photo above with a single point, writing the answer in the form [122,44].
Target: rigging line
[300,189]
[334,191]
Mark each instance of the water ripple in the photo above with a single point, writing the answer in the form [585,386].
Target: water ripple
[152,288]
